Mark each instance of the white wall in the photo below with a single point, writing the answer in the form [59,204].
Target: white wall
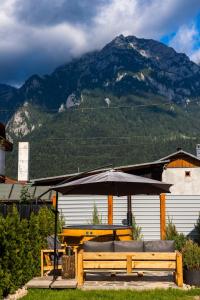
[184,212]
[183,185]
[146,209]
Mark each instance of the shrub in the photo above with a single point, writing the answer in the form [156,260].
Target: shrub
[20,244]
[25,195]
[191,255]
[137,235]
[96,218]
[172,234]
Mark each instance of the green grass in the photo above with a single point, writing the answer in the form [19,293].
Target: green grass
[170,294]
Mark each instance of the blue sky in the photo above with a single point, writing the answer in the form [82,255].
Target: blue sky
[38,35]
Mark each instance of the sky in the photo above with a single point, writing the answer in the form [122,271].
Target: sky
[36,36]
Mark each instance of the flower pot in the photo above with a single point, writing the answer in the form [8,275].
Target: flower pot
[191,277]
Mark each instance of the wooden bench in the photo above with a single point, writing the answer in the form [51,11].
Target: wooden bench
[129,262]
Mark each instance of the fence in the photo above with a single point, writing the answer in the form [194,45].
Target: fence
[24,210]
[183,210]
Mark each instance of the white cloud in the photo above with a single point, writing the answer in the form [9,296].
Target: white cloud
[39,43]
[186,40]
[196,56]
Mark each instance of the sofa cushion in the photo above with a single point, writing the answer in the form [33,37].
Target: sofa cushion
[50,242]
[128,246]
[159,246]
[98,246]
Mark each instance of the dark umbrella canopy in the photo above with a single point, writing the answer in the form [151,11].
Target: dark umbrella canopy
[114,183]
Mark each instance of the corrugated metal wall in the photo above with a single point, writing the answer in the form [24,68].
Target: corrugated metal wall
[184,211]
[78,209]
[146,209]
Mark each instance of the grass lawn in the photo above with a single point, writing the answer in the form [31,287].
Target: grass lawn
[170,294]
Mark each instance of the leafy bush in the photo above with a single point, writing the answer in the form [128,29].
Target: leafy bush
[137,235]
[96,218]
[171,230]
[191,255]
[25,195]
[172,234]
[20,244]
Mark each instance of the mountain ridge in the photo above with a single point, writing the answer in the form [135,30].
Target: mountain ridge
[134,100]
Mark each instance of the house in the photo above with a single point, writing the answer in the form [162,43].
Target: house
[183,171]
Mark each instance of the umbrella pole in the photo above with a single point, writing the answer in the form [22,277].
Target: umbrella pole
[55,264]
[129,211]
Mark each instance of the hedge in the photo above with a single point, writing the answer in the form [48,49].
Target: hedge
[20,245]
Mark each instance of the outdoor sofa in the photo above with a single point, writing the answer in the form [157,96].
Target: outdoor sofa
[129,256]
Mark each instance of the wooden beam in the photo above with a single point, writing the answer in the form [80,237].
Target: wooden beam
[122,264]
[179,270]
[129,264]
[162,216]
[80,271]
[110,210]
[123,255]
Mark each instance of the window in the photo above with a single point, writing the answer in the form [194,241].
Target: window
[187,174]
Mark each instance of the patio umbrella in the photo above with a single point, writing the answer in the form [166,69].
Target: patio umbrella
[114,183]
[110,182]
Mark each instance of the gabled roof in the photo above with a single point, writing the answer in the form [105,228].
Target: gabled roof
[57,179]
[179,153]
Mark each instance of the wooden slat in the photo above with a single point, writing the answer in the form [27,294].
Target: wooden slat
[92,232]
[123,264]
[154,264]
[52,251]
[104,264]
[48,268]
[134,255]
[183,162]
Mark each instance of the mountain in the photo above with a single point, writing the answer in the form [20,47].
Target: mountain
[132,101]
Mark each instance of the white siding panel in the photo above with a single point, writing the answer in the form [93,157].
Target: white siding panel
[146,209]
[78,209]
[183,211]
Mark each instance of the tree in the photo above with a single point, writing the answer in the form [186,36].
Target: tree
[25,195]
[96,218]
[137,235]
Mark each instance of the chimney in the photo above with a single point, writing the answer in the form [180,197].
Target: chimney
[5,145]
[23,162]
[198,151]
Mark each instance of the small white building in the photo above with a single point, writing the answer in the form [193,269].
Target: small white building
[183,171]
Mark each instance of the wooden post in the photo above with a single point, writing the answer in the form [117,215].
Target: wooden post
[129,264]
[42,264]
[53,199]
[162,217]
[80,274]
[110,210]
[129,211]
[179,269]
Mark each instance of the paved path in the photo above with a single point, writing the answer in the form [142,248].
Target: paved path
[150,280]
[105,281]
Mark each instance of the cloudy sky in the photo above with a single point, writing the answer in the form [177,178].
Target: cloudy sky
[38,35]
